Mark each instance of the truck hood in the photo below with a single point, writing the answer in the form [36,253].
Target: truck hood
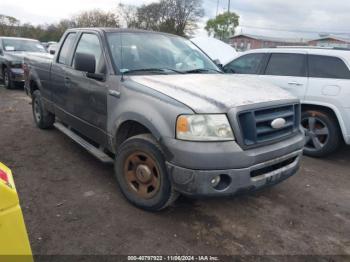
[213,93]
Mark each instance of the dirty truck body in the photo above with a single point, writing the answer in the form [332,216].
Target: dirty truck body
[171,121]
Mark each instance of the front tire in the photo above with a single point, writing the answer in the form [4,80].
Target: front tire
[142,175]
[7,78]
[322,133]
[42,118]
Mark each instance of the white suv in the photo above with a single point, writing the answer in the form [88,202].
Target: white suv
[319,77]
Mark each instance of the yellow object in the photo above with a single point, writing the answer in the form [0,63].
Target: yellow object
[14,242]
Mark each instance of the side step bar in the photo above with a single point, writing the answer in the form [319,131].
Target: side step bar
[85,144]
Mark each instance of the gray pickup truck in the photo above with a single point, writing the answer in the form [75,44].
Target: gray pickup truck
[159,109]
[12,52]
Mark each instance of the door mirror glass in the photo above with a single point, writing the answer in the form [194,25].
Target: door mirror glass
[85,62]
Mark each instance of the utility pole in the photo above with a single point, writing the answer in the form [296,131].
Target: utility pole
[229,5]
[217,7]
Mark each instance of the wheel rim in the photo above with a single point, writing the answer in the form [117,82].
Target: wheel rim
[37,110]
[6,78]
[142,175]
[316,133]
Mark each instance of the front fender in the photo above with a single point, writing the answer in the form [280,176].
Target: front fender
[142,119]
[156,111]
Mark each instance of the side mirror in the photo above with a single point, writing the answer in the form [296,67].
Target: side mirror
[218,63]
[96,76]
[85,62]
[52,49]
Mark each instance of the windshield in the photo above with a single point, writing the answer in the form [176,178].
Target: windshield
[22,45]
[142,52]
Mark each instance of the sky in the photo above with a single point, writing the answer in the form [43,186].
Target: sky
[264,17]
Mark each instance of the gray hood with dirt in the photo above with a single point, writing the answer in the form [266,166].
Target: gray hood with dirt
[214,93]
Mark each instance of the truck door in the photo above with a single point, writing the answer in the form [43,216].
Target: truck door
[88,97]
[59,85]
[288,71]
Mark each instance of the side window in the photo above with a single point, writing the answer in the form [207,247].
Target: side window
[286,65]
[90,44]
[327,67]
[66,47]
[247,64]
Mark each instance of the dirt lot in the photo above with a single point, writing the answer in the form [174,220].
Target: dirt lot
[72,205]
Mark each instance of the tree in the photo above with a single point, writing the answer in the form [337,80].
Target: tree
[129,14]
[96,18]
[8,25]
[223,25]
[172,16]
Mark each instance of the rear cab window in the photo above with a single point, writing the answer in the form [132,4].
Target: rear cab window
[327,67]
[63,57]
[286,64]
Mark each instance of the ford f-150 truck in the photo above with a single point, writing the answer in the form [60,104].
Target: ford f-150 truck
[164,113]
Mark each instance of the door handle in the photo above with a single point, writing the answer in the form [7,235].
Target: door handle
[114,93]
[294,84]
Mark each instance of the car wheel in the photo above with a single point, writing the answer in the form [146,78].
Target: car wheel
[322,133]
[142,175]
[7,79]
[42,118]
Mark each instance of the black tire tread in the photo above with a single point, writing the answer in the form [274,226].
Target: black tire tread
[47,118]
[10,85]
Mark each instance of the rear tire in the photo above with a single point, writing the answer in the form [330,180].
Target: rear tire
[7,78]
[322,133]
[142,175]
[42,118]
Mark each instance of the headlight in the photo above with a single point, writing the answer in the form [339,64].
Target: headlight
[204,128]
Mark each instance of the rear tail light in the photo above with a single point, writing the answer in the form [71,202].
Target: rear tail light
[4,177]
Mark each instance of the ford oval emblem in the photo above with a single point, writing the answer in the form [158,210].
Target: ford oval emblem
[278,123]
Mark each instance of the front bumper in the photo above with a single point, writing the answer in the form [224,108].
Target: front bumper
[199,182]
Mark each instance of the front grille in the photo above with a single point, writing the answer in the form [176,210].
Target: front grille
[256,126]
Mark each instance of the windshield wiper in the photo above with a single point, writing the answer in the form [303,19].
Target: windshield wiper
[201,70]
[162,70]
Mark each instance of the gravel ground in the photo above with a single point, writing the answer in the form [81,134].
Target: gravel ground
[72,205]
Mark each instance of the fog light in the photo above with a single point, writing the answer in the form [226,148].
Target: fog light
[215,181]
